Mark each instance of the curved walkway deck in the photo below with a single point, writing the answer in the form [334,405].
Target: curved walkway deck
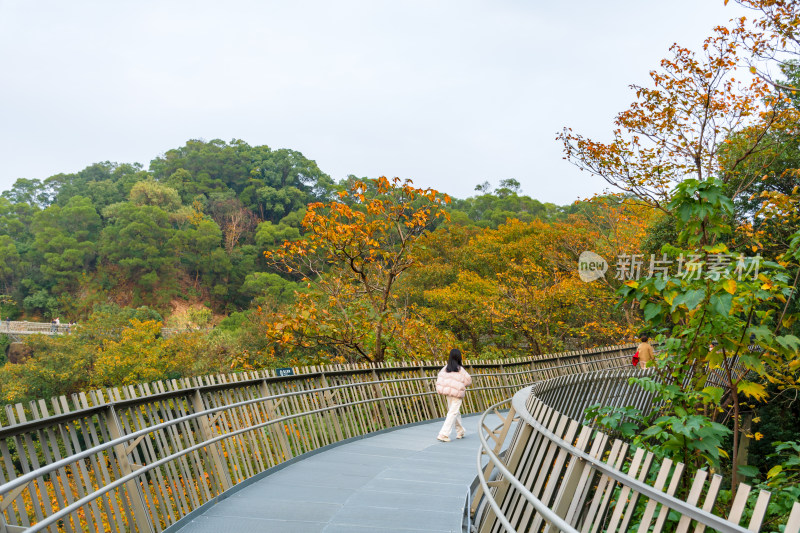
[398,481]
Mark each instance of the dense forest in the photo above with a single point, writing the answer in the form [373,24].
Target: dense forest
[194,226]
[190,245]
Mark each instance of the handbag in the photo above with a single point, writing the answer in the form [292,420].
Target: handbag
[635,359]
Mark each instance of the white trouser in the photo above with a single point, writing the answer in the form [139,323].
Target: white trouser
[453,416]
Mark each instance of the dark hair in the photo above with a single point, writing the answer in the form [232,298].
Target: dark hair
[644,337]
[454,363]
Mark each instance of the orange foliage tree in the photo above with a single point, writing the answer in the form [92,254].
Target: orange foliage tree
[772,38]
[352,254]
[679,127]
[519,286]
[691,145]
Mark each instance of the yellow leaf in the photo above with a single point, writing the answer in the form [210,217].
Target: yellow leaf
[753,390]
[730,286]
[752,69]
[774,471]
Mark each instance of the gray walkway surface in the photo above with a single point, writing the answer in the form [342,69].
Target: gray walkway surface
[402,480]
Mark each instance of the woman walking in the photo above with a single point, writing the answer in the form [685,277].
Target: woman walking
[452,382]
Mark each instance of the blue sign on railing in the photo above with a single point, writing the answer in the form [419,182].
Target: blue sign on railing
[284,372]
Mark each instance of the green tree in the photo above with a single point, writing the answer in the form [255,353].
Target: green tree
[196,246]
[284,168]
[150,192]
[16,219]
[133,242]
[9,263]
[29,191]
[269,290]
[65,242]
[212,166]
[269,235]
[104,183]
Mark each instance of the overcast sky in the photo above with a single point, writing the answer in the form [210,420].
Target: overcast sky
[449,94]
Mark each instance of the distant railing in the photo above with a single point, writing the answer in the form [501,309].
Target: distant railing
[560,475]
[12,327]
[142,458]
[16,328]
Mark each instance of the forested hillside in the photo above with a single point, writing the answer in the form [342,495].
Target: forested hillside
[196,243]
[192,227]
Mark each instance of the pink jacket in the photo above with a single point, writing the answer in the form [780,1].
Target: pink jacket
[453,383]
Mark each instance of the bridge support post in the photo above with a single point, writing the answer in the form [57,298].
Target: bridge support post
[431,403]
[499,437]
[330,417]
[504,379]
[126,466]
[212,450]
[277,433]
[570,485]
[379,394]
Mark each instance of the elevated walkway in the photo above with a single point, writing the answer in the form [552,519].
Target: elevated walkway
[400,480]
[152,457]
[18,330]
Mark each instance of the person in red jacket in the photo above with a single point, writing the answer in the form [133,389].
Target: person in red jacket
[452,382]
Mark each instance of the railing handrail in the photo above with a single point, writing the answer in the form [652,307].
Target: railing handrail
[539,398]
[319,401]
[520,400]
[26,478]
[545,511]
[164,460]
[21,427]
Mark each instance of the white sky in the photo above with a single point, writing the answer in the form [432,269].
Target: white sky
[447,93]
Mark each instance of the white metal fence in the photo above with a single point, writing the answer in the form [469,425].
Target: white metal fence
[142,458]
[560,475]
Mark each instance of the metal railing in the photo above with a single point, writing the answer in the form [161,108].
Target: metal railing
[143,463]
[17,328]
[560,475]
[14,327]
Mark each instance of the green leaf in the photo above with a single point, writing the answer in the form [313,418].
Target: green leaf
[714,394]
[789,341]
[721,303]
[652,430]
[687,426]
[721,429]
[754,362]
[693,298]
[748,471]
[651,311]
[761,332]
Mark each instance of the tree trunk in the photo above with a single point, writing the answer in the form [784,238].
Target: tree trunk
[740,459]
[380,349]
[735,455]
